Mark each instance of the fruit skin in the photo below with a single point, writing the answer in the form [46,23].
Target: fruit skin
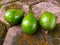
[29,24]
[47,21]
[14,16]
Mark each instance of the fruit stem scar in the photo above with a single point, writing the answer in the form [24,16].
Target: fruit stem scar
[30,9]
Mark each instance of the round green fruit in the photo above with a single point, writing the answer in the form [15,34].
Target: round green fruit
[14,16]
[29,24]
[47,21]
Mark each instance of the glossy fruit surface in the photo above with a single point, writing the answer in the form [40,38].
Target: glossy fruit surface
[14,16]
[47,21]
[29,23]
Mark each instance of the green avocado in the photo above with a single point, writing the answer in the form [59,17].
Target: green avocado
[29,23]
[47,21]
[14,16]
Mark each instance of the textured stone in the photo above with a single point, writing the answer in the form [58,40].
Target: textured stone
[15,36]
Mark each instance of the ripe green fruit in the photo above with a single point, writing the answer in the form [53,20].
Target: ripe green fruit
[14,16]
[47,21]
[29,23]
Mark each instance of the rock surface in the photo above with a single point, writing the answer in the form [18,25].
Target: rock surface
[15,36]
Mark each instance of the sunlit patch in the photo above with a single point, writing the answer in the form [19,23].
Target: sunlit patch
[44,19]
[7,14]
[33,26]
[16,17]
[25,22]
